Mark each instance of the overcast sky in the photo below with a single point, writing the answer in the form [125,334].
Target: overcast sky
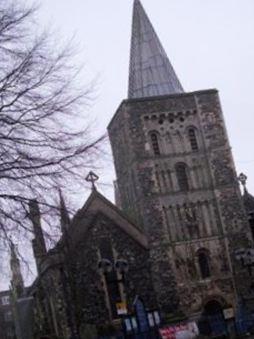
[210,44]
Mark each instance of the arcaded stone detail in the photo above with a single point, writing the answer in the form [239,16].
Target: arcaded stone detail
[232,213]
[209,214]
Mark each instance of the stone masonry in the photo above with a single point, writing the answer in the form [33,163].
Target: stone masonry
[149,187]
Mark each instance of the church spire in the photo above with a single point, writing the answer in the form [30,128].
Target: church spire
[38,243]
[64,216]
[17,282]
[151,72]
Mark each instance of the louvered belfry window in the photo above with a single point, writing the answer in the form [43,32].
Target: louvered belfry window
[155,143]
[182,178]
[193,139]
[204,266]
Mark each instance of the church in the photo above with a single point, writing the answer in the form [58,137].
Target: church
[178,228]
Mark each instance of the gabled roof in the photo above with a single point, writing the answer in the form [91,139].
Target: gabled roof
[248,201]
[97,204]
[150,73]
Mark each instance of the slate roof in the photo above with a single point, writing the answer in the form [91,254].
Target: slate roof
[150,72]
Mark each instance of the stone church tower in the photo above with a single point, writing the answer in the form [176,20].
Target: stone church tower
[176,178]
[17,282]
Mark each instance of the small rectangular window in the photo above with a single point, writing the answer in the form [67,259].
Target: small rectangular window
[5,300]
[193,139]
[10,333]
[8,316]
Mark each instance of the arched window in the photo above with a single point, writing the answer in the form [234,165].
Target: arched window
[155,143]
[193,139]
[182,178]
[204,265]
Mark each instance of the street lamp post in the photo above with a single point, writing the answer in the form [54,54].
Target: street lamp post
[120,266]
[114,273]
[246,257]
[245,311]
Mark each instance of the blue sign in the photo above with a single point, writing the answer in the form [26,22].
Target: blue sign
[141,315]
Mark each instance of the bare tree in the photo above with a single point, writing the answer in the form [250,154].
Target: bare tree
[45,138]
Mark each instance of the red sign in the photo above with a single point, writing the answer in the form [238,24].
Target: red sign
[172,331]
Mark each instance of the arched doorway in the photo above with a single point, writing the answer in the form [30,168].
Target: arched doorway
[213,307]
[212,322]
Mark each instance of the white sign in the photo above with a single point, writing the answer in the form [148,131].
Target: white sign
[121,308]
[228,313]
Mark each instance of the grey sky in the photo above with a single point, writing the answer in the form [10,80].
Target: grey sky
[210,44]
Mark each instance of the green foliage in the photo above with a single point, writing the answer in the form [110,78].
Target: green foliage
[88,332]
[106,330]
[176,317]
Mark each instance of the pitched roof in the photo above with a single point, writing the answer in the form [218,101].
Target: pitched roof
[97,203]
[150,73]
[248,201]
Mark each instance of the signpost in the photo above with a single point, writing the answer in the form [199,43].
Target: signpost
[228,313]
[142,323]
[121,308]
[187,330]
[141,315]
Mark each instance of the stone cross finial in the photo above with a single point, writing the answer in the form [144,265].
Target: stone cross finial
[92,177]
[243,180]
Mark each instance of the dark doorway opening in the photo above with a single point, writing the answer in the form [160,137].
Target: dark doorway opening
[213,307]
[212,322]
